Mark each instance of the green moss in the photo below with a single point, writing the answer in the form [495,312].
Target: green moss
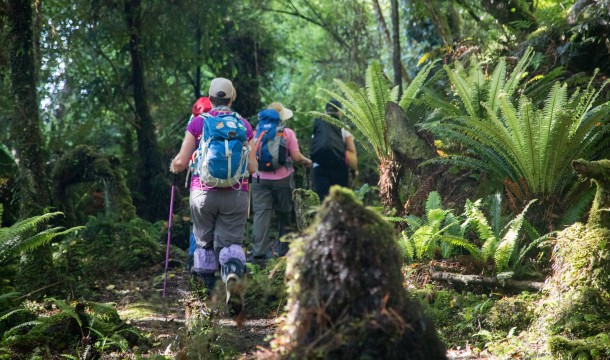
[596,347]
[138,310]
[508,313]
[457,316]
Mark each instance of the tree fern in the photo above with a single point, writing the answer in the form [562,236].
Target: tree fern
[531,148]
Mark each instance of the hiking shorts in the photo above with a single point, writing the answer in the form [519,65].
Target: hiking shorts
[219,217]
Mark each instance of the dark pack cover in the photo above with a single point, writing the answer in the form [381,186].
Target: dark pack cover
[327,145]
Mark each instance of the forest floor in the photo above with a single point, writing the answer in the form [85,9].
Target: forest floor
[167,322]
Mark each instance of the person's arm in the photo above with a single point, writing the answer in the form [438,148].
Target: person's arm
[293,147]
[299,158]
[252,162]
[351,158]
[181,161]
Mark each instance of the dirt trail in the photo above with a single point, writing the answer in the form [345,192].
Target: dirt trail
[139,302]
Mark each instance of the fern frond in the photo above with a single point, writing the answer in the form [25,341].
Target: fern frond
[539,242]
[496,84]
[489,248]
[478,88]
[518,72]
[507,247]
[416,86]
[414,222]
[463,243]
[67,311]
[14,329]
[462,88]
[423,238]
[433,202]
[407,246]
[577,210]
[475,215]
[12,312]
[496,212]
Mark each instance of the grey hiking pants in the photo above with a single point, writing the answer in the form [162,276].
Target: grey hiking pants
[219,217]
[267,196]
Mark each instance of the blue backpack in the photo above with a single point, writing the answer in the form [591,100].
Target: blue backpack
[270,145]
[222,156]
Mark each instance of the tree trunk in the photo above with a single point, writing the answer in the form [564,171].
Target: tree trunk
[26,131]
[386,36]
[397,64]
[389,178]
[27,138]
[151,199]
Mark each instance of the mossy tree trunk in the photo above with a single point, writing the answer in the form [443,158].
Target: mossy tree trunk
[409,149]
[27,137]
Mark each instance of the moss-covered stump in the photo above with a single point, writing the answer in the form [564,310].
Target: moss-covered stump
[576,310]
[105,187]
[305,203]
[346,299]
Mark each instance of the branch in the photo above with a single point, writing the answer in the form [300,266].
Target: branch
[297,14]
[116,72]
[489,281]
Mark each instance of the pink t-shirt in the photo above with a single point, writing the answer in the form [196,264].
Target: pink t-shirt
[283,172]
[195,127]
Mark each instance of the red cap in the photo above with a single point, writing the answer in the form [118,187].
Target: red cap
[202,105]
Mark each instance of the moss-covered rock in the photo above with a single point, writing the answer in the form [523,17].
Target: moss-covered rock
[305,204]
[345,293]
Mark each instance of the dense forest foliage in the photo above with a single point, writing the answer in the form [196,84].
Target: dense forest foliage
[482,136]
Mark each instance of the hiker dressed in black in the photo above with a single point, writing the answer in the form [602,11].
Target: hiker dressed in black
[333,153]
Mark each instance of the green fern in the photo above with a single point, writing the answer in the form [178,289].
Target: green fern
[433,201]
[25,237]
[516,142]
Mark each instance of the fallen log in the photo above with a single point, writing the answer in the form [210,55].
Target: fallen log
[490,281]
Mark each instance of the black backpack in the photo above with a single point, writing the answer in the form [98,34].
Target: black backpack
[327,145]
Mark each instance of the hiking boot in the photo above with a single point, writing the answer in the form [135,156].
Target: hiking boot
[235,295]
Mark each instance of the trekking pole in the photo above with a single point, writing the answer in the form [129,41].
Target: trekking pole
[169,232]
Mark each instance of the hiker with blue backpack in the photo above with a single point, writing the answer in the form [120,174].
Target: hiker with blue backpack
[333,152]
[219,188]
[277,149]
